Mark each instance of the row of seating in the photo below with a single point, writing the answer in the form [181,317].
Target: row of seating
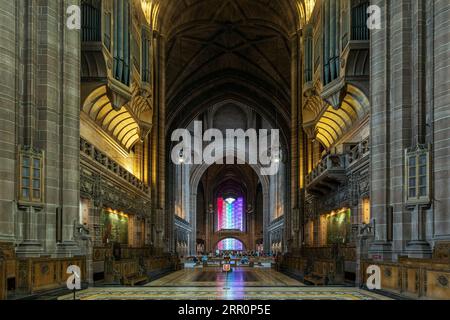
[136,271]
[319,272]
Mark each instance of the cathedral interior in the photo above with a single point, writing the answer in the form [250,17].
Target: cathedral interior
[358,92]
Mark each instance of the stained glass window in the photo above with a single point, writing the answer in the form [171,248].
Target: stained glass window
[230,214]
[230,244]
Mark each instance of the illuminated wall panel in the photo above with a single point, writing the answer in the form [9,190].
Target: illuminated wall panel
[339,226]
[230,214]
[230,244]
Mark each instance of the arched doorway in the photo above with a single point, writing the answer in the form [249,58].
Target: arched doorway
[226,91]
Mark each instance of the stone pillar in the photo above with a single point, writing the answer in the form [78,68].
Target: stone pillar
[293,219]
[9,106]
[266,214]
[250,227]
[166,219]
[193,221]
[209,228]
[162,222]
[438,60]
[26,104]
[380,133]
[69,128]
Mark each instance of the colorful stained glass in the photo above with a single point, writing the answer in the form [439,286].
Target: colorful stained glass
[230,214]
[230,245]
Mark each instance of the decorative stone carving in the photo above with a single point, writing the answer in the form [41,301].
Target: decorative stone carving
[442,251]
[105,193]
[443,281]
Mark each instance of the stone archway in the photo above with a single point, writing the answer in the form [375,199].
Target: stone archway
[197,173]
[219,239]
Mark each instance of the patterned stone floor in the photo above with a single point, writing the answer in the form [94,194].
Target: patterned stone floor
[211,284]
[212,277]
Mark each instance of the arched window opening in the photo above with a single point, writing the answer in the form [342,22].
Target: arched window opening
[230,244]
[230,213]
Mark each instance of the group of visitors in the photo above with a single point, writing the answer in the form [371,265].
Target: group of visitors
[244,257]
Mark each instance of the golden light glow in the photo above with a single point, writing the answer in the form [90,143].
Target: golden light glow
[333,124]
[117,213]
[323,230]
[306,8]
[309,8]
[310,233]
[151,11]
[147,9]
[119,124]
[366,211]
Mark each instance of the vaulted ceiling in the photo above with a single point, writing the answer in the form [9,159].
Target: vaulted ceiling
[229,49]
[231,180]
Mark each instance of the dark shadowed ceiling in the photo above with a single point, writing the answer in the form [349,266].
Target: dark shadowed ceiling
[228,50]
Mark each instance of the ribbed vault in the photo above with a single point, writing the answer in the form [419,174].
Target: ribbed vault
[119,124]
[335,123]
[229,49]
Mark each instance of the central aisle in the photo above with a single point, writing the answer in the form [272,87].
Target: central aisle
[214,277]
[212,284]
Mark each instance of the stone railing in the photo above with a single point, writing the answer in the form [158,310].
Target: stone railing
[329,163]
[357,152]
[340,162]
[91,152]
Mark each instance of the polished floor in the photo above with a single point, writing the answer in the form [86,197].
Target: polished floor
[212,284]
[212,277]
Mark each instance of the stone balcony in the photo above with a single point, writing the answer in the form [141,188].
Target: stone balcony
[327,175]
[333,170]
[92,154]
[356,154]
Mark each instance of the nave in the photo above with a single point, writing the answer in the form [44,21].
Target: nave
[95,174]
[213,284]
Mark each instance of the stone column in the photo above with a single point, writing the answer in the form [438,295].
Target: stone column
[9,109]
[418,247]
[266,215]
[209,228]
[163,224]
[193,221]
[69,129]
[250,227]
[380,133]
[438,86]
[292,228]
[26,87]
